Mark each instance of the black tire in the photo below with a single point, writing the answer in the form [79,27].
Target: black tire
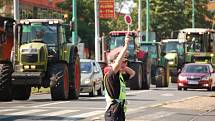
[60,91]
[185,89]
[5,82]
[93,91]
[75,78]
[209,88]
[146,73]
[166,80]
[135,83]
[21,92]
[179,88]
[100,91]
[160,77]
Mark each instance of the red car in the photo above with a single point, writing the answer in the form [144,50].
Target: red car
[197,76]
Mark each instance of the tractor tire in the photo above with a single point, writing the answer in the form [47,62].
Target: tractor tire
[60,90]
[5,82]
[160,77]
[166,80]
[136,82]
[146,73]
[75,78]
[21,92]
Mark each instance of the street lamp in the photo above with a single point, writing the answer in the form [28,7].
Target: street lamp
[193,13]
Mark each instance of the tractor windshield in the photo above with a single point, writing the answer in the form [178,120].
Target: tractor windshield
[197,42]
[151,49]
[170,47]
[45,33]
[117,41]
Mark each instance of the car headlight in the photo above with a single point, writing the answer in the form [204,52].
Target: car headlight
[171,62]
[180,78]
[87,81]
[206,78]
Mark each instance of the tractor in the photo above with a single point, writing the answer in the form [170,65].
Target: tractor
[6,69]
[175,55]
[159,68]
[200,44]
[43,56]
[141,64]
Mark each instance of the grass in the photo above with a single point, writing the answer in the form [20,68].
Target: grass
[35,90]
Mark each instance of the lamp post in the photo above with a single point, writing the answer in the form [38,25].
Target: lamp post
[147,20]
[74,20]
[193,13]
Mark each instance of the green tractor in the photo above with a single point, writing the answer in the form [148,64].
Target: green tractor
[159,68]
[174,50]
[200,45]
[43,56]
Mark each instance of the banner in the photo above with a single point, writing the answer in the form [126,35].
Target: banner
[106,9]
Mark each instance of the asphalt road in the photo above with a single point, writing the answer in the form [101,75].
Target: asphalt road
[143,105]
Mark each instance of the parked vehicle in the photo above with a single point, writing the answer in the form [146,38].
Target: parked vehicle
[197,75]
[91,77]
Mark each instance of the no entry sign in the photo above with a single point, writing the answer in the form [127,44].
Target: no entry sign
[128,19]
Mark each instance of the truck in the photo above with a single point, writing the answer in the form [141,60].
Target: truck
[141,65]
[174,50]
[44,56]
[159,68]
[6,68]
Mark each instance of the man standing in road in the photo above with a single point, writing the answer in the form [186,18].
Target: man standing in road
[115,85]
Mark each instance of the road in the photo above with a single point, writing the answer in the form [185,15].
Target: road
[143,105]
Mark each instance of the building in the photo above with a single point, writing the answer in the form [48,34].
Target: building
[33,8]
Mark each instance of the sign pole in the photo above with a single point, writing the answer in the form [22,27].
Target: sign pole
[97,42]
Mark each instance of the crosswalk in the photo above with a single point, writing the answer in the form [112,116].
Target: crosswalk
[69,115]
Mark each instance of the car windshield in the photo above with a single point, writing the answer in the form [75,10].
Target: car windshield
[86,67]
[46,33]
[196,69]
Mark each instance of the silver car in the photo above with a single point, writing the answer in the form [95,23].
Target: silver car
[91,77]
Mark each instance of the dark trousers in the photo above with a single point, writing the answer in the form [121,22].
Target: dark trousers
[115,113]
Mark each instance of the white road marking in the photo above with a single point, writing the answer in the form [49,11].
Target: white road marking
[20,113]
[55,113]
[36,106]
[85,115]
[7,110]
[156,115]
[136,92]
[168,94]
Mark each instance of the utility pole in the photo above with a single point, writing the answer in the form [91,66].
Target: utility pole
[193,13]
[16,9]
[147,19]
[97,42]
[74,20]
[140,19]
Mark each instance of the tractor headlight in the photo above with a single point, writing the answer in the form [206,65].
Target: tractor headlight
[33,67]
[29,50]
[171,62]
[212,55]
[26,66]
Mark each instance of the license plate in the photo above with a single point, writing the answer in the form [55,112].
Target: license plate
[193,82]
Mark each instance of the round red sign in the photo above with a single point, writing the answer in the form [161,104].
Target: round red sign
[128,19]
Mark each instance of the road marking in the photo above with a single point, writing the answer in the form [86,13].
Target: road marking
[55,113]
[156,115]
[36,106]
[20,113]
[136,92]
[168,94]
[85,115]
[7,110]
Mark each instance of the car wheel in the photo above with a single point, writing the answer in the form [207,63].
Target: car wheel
[179,88]
[92,93]
[100,91]
[185,89]
[209,88]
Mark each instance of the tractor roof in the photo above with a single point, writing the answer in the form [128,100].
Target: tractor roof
[196,30]
[123,33]
[55,21]
[174,40]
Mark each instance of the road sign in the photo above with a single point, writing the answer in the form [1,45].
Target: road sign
[106,9]
[128,19]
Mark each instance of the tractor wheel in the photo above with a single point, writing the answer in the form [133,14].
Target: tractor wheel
[5,82]
[75,76]
[147,74]
[160,77]
[21,92]
[135,83]
[60,90]
[166,80]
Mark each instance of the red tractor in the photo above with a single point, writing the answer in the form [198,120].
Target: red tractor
[6,68]
[138,60]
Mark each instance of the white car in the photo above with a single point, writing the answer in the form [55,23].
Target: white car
[91,77]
